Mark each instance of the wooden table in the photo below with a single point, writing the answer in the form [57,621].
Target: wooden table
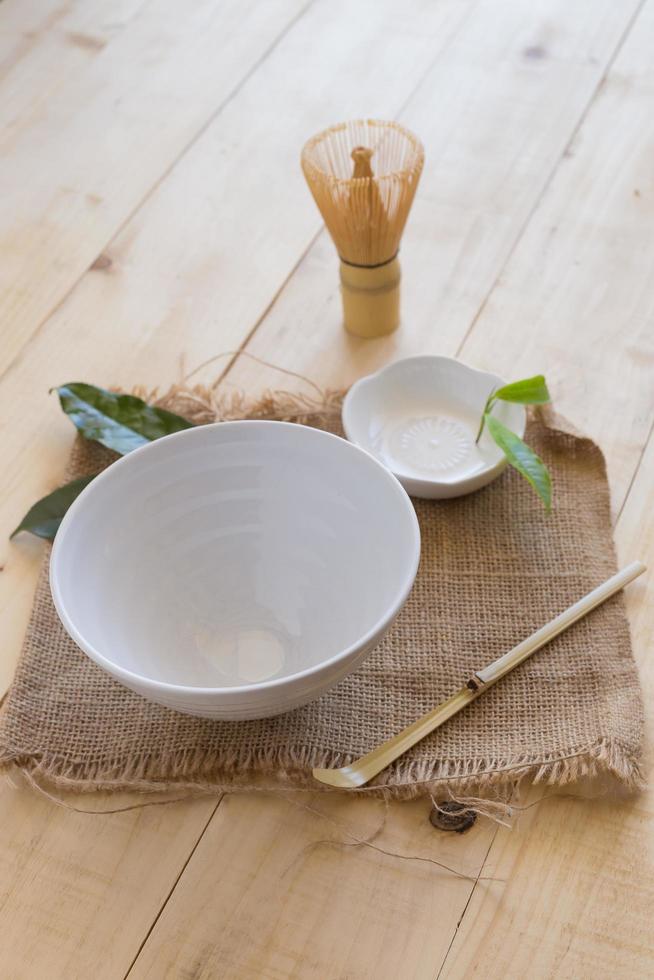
[153,215]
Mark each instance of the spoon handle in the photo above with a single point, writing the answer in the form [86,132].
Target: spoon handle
[364,769]
[501,666]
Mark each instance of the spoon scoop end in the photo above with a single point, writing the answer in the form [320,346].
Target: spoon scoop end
[343,778]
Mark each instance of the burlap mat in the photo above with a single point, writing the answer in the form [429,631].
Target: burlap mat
[494,567]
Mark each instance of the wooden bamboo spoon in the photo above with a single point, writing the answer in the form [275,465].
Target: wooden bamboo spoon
[360,772]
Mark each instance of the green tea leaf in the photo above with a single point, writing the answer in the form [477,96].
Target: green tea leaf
[119,422]
[524,459]
[44,518]
[529,391]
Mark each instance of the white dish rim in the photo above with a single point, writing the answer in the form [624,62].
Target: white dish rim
[132,677]
[401,474]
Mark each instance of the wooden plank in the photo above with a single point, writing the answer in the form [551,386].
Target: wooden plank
[24,27]
[340,936]
[45,48]
[577,298]
[575,885]
[495,114]
[576,892]
[112,111]
[159,293]
[180,276]
[79,891]
[265,899]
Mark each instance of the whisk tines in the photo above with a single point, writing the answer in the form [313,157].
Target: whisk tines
[363,176]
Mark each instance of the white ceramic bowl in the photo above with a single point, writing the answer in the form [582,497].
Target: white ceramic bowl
[420,417]
[235,570]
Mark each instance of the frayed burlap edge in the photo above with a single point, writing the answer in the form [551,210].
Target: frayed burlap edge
[151,773]
[604,761]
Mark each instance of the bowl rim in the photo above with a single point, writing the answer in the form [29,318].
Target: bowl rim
[350,397]
[131,677]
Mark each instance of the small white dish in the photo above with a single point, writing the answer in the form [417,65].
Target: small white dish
[420,417]
[235,570]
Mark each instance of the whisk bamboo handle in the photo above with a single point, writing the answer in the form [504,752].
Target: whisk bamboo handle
[371,298]
[361,771]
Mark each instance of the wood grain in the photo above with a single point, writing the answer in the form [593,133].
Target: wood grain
[577,297]
[326,354]
[500,131]
[114,110]
[577,878]
[272,893]
[159,295]
[219,248]
[78,892]
[44,27]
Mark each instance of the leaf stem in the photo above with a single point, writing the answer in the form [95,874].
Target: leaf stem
[487,407]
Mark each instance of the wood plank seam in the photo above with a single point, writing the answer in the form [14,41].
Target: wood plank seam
[646,446]
[249,337]
[250,334]
[164,175]
[157,911]
[465,907]
[628,30]
[520,232]
[546,183]
[152,908]
[549,178]
[637,468]
[440,975]
[174,886]
[222,377]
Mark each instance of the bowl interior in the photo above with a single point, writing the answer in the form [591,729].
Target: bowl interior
[420,417]
[233,554]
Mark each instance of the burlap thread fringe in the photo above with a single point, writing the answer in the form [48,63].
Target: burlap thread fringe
[437,766]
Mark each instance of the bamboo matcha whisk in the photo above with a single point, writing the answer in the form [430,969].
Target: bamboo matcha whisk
[363,176]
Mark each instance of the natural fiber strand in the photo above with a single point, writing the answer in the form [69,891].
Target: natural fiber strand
[573,712]
[363,177]
[358,841]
